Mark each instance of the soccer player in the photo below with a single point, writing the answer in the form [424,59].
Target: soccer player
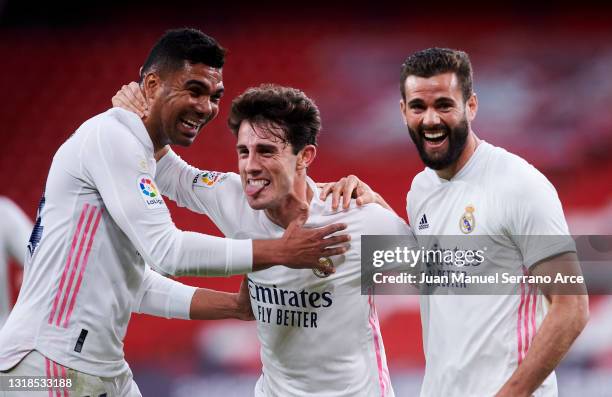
[503,345]
[102,216]
[14,233]
[319,336]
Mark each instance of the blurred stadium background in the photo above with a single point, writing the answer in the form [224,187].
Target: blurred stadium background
[543,81]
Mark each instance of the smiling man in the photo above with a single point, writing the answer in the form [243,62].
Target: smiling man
[101,217]
[319,336]
[482,345]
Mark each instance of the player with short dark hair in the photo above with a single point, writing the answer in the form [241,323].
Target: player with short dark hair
[483,345]
[102,217]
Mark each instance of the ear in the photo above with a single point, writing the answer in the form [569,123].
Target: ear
[151,84]
[471,107]
[403,111]
[306,156]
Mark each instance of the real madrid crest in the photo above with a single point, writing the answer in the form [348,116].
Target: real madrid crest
[320,273]
[467,223]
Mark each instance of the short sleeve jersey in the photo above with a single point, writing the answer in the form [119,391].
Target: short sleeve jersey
[473,343]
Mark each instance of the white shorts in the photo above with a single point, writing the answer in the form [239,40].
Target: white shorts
[35,364]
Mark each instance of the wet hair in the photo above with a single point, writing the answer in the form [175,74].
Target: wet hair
[272,107]
[435,61]
[178,46]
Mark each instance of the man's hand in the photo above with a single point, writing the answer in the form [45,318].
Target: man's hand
[130,97]
[301,248]
[208,304]
[244,310]
[350,187]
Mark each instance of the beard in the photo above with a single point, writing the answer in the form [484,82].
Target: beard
[457,138]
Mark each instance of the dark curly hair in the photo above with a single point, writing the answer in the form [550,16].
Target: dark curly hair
[272,106]
[179,45]
[434,61]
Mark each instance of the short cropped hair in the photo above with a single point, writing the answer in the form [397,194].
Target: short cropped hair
[435,61]
[179,45]
[273,105]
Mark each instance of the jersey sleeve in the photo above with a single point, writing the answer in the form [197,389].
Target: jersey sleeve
[381,221]
[112,159]
[163,297]
[535,218]
[215,194]
[19,230]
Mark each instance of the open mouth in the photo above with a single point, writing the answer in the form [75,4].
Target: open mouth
[435,136]
[435,139]
[191,125]
[255,186]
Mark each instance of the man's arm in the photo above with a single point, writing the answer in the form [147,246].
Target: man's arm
[209,193]
[215,305]
[566,318]
[163,297]
[113,164]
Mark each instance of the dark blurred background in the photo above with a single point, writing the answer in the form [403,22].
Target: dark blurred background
[542,74]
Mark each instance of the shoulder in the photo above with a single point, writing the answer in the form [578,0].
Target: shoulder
[423,181]
[207,180]
[117,122]
[375,219]
[6,205]
[119,130]
[515,177]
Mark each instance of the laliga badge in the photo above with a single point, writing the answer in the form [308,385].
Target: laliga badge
[323,261]
[467,223]
[149,192]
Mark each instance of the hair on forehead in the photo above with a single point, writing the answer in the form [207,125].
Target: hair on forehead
[284,112]
[266,129]
[434,61]
[178,46]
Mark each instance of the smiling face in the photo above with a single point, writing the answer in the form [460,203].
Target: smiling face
[269,169]
[437,118]
[182,102]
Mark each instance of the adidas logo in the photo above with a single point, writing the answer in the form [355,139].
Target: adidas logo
[423,223]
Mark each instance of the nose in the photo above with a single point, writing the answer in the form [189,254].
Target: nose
[431,118]
[252,165]
[204,107]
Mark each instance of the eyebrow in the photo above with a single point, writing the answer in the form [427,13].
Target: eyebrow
[444,99]
[416,101]
[419,101]
[259,146]
[205,86]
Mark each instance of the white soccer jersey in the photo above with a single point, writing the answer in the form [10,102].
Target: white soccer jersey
[100,218]
[15,230]
[319,336]
[474,343]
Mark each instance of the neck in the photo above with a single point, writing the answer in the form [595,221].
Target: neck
[156,134]
[468,151]
[292,204]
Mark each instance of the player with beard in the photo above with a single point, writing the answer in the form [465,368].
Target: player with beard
[481,345]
